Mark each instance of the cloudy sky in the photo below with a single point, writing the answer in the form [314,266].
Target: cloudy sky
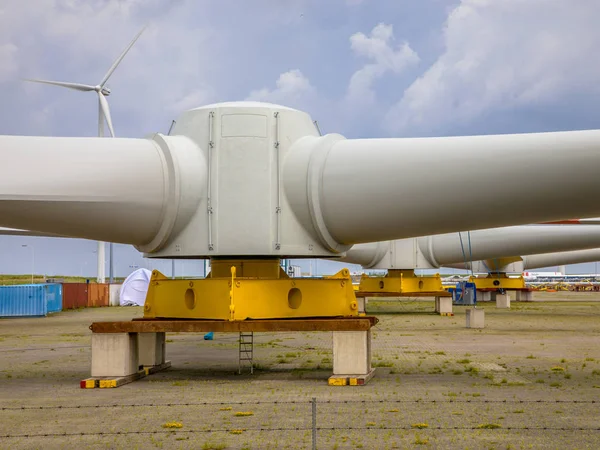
[363,68]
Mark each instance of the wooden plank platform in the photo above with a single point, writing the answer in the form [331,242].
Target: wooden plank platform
[114,382]
[403,294]
[221,326]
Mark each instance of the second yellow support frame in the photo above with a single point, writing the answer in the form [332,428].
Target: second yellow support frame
[401,283]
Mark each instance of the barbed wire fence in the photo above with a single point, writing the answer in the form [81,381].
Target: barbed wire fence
[313,426]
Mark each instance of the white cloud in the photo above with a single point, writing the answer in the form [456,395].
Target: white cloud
[193,99]
[501,55]
[379,48]
[290,87]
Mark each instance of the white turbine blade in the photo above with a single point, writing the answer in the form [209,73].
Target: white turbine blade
[120,58]
[76,86]
[100,119]
[106,113]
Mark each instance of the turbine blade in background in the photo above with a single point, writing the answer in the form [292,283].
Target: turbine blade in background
[100,119]
[76,86]
[106,113]
[120,58]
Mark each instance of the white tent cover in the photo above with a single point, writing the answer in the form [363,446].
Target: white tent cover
[135,287]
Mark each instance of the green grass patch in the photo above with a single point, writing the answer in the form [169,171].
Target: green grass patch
[488,426]
[383,364]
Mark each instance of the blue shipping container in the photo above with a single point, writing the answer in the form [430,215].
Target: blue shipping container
[54,297]
[30,300]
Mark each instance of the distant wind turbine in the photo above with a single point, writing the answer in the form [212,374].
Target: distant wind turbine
[100,88]
[103,115]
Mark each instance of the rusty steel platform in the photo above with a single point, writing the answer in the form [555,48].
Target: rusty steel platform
[221,326]
[402,294]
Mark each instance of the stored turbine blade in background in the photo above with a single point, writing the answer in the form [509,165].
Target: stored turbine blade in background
[106,113]
[76,86]
[120,58]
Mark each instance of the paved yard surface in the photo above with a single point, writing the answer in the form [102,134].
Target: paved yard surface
[530,379]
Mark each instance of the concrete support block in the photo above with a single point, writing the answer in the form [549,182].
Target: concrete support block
[351,353]
[475,318]
[362,304]
[524,296]
[114,354]
[443,305]
[484,296]
[503,301]
[114,292]
[151,349]
[493,295]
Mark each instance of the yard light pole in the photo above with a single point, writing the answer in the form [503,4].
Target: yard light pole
[32,259]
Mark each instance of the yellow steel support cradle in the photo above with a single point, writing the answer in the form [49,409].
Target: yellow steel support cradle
[250,289]
[401,283]
[498,281]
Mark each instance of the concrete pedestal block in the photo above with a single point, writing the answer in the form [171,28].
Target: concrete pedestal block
[114,354]
[484,296]
[524,296]
[475,318]
[503,301]
[151,349]
[443,305]
[351,353]
[362,304]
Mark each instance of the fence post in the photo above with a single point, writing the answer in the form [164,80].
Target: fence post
[314,423]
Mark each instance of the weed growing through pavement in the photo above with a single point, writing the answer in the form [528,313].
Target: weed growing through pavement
[489,426]
[421,441]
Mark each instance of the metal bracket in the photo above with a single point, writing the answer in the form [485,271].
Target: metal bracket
[171,127]
[277,163]
[209,209]
[317,127]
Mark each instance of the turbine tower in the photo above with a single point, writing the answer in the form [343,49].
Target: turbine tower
[103,115]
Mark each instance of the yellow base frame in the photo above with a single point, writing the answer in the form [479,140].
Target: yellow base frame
[401,283]
[250,289]
[498,282]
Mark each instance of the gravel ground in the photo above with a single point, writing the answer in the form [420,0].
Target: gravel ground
[530,379]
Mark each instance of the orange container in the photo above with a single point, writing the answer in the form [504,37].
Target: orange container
[97,295]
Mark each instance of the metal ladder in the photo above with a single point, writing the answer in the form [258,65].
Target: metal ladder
[246,346]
